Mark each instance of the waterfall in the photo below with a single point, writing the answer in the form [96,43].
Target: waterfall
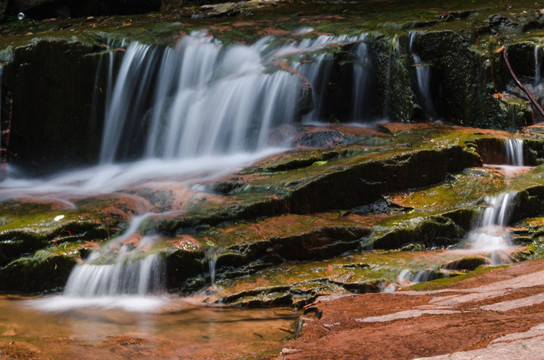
[537,65]
[315,68]
[317,71]
[199,99]
[423,77]
[514,152]
[126,271]
[362,71]
[491,233]
[124,277]
[1,79]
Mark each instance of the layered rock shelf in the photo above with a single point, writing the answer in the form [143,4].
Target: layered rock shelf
[278,153]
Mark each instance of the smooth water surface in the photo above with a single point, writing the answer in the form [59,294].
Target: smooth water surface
[179,329]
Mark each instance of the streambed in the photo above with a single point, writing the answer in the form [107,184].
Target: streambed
[180,328]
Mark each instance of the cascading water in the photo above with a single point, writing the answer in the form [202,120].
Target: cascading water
[538,64]
[177,109]
[362,71]
[491,233]
[118,276]
[200,99]
[316,68]
[423,76]
[126,276]
[317,71]
[207,99]
[132,272]
[1,78]
[514,152]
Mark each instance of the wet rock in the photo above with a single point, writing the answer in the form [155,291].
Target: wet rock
[20,241]
[467,263]
[395,98]
[522,58]
[364,183]
[67,133]
[528,203]
[43,272]
[515,22]
[464,217]
[432,231]
[184,268]
[3,7]
[318,244]
[492,150]
[463,76]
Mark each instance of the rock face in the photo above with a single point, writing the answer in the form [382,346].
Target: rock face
[326,219]
[40,9]
[347,209]
[466,80]
[3,7]
[69,131]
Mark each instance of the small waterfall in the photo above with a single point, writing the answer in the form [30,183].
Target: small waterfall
[387,95]
[1,80]
[212,263]
[199,99]
[491,233]
[423,76]
[406,277]
[211,257]
[362,71]
[315,68]
[125,277]
[318,72]
[514,152]
[129,271]
[537,65]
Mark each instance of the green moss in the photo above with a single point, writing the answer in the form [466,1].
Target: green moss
[45,271]
[448,281]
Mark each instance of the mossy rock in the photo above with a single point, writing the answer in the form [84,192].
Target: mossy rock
[464,82]
[467,263]
[432,231]
[42,272]
[395,98]
[46,130]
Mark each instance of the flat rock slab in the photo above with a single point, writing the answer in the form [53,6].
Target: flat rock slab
[497,315]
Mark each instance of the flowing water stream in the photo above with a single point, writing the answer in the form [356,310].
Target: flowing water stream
[538,64]
[423,77]
[514,152]
[182,115]
[491,233]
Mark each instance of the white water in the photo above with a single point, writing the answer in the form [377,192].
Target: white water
[315,68]
[406,277]
[118,276]
[185,114]
[491,233]
[537,65]
[423,76]
[514,152]
[362,71]
[110,178]
[207,99]
[1,79]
